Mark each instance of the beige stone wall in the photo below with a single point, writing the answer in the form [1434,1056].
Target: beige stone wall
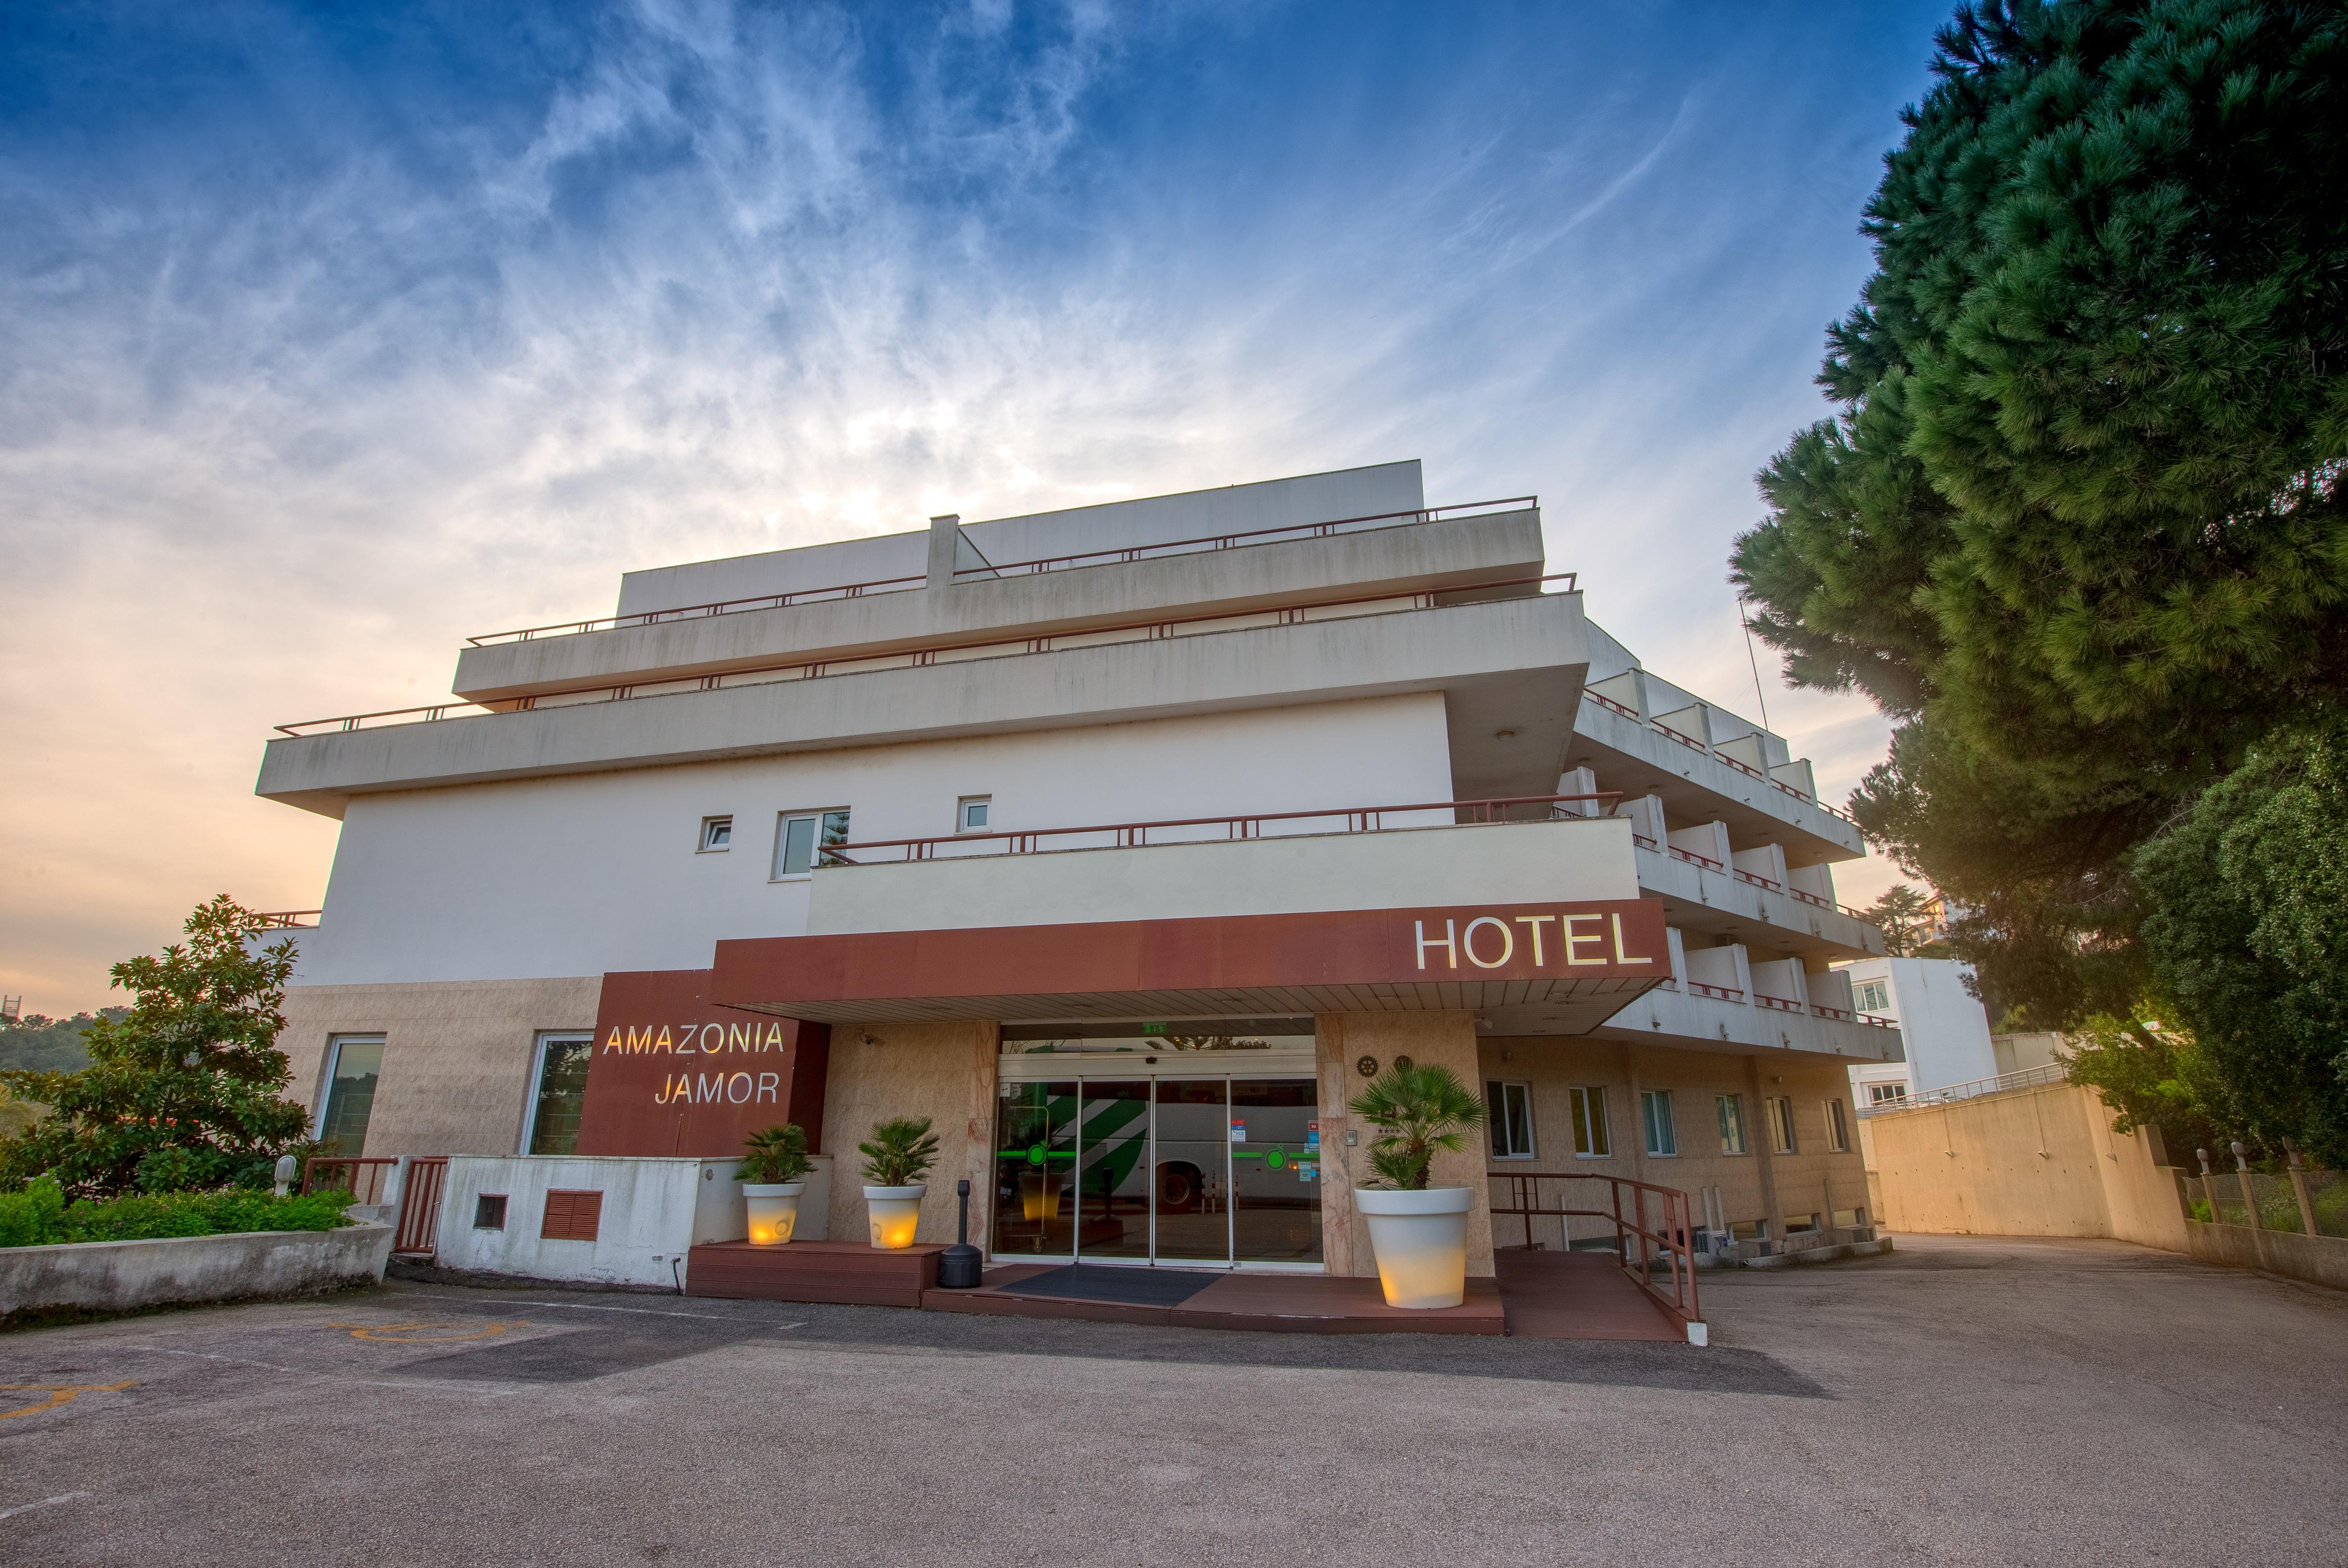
[1340,1039]
[944,1072]
[2031,1162]
[1814,1179]
[456,1056]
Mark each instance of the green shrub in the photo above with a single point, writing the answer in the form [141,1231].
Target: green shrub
[40,1215]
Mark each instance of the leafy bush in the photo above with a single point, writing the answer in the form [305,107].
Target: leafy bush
[39,1215]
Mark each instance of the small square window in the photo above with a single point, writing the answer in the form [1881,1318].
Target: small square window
[489,1211]
[1509,1107]
[716,834]
[971,813]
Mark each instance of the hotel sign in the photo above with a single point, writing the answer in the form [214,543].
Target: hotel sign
[674,1074]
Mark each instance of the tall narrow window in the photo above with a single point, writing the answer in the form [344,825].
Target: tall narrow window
[1590,1139]
[805,840]
[350,1095]
[1656,1106]
[561,1092]
[1732,1122]
[1509,1107]
[1781,1124]
[1837,1127]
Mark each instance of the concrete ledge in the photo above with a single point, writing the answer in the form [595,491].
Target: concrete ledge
[125,1276]
[1827,1253]
[2316,1259]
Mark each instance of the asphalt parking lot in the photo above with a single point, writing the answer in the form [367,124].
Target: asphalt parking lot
[1961,1402]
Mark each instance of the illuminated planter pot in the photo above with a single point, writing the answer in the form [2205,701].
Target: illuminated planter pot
[892,1212]
[774,1210]
[1421,1243]
[1039,1196]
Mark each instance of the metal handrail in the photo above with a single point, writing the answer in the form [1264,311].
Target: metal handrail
[1973,1089]
[1136,835]
[1675,1244]
[902,584]
[289,919]
[896,658]
[1627,712]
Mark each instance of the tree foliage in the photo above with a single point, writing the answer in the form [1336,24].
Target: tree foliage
[35,1043]
[184,1091]
[2079,524]
[1420,1108]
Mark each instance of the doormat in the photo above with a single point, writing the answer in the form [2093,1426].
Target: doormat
[1132,1286]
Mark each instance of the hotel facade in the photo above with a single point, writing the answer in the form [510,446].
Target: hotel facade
[1122,842]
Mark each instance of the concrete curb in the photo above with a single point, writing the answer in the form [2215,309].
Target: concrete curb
[130,1275]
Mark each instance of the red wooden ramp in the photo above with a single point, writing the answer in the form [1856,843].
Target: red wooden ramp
[1579,1295]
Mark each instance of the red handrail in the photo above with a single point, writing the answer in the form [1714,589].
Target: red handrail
[288,919]
[1673,1246]
[900,584]
[1160,626]
[1136,835]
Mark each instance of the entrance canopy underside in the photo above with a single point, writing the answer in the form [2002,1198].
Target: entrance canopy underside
[1559,1007]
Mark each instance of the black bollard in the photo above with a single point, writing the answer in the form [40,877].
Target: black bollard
[959,1265]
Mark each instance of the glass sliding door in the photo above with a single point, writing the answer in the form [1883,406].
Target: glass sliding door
[1193,1172]
[1276,1141]
[1035,1169]
[1113,1171]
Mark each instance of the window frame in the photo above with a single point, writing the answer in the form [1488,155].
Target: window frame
[1496,1113]
[1779,1111]
[326,1098]
[1580,1098]
[1886,1092]
[537,1089]
[1838,1125]
[984,803]
[1728,1111]
[711,826]
[1649,1099]
[816,847]
[1872,996]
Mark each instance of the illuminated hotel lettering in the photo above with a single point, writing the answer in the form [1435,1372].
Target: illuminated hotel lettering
[1583,950]
[714,1039]
[719,1089]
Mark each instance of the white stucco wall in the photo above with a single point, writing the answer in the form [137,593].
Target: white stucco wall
[584,874]
[1942,1024]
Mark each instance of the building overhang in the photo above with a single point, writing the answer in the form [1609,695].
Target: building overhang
[1573,964]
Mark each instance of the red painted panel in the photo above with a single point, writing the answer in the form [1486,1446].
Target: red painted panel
[674,1074]
[1610,939]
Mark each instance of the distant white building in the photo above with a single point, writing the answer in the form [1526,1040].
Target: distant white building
[1942,1023]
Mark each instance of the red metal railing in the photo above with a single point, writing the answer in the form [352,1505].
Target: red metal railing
[1021,568]
[1706,861]
[419,1205]
[1717,993]
[1779,1003]
[1627,712]
[289,919]
[902,658]
[364,1178]
[1636,1243]
[1134,834]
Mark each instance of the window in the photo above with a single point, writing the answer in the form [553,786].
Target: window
[1781,1124]
[1837,1127]
[1589,1139]
[572,1217]
[804,840]
[560,1093]
[489,1211]
[1510,1108]
[1655,1109]
[1884,1093]
[352,1067]
[1732,1122]
[1872,996]
[716,834]
[971,813]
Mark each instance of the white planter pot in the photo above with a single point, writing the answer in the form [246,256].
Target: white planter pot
[1421,1243]
[774,1210]
[894,1213]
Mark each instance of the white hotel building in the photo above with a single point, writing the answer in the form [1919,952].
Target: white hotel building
[1084,833]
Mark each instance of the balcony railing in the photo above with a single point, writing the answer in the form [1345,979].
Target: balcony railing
[1200,830]
[1706,863]
[1625,710]
[1972,1089]
[1371,524]
[289,919]
[999,645]
[1731,994]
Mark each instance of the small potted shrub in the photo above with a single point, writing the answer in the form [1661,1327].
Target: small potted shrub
[772,1174]
[899,1156]
[1419,1233]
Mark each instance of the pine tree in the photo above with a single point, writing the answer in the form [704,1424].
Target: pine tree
[184,1090]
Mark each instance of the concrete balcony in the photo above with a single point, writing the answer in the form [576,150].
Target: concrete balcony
[1696,1017]
[1633,755]
[1720,900]
[1447,556]
[1509,669]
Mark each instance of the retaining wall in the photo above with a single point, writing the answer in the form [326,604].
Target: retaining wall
[123,1275]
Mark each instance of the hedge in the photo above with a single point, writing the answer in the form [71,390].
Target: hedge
[39,1215]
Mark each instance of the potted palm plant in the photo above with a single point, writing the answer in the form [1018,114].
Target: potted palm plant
[1419,1233]
[773,1174]
[898,1156]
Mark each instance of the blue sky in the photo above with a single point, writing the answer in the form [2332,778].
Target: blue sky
[330,336]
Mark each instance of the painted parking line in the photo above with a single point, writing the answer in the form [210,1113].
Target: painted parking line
[428,1332]
[42,1503]
[59,1395]
[631,1311]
